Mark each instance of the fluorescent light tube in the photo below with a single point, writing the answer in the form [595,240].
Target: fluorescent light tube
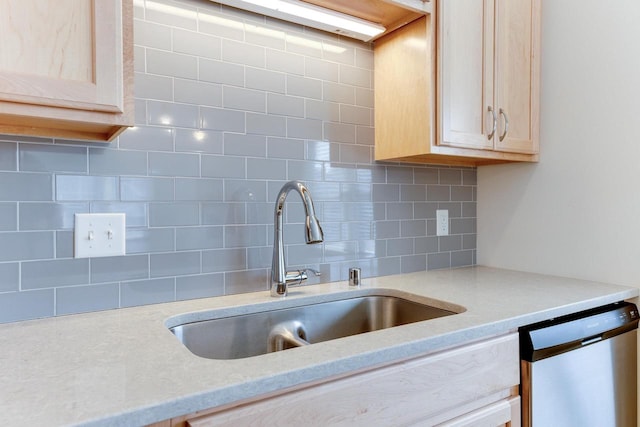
[311,16]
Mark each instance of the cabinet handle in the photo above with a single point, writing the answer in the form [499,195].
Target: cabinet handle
[495,122]
[506,124]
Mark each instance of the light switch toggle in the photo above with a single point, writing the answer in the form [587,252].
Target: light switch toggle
[99,234]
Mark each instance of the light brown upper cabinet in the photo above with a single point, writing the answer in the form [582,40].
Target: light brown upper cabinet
[66,68]
[461,86]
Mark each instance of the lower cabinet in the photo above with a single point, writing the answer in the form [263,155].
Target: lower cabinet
[471,385]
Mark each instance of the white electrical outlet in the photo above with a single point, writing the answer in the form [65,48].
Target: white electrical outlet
[442,221]
[99,234]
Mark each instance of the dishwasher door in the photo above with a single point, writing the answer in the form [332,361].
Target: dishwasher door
[580,370]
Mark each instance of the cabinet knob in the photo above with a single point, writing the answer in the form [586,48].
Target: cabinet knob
[506,124]
[495,122]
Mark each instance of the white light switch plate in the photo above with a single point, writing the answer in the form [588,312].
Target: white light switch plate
[442,220]
[99,234]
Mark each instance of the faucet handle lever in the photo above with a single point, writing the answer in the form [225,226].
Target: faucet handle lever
[296,277]
[307,270]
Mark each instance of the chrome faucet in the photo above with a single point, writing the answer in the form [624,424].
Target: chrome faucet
[280,277]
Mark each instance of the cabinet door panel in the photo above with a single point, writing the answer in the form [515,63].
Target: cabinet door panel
[516,75]
[66,53]
[466,72]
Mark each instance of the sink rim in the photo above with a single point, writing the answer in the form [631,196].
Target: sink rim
[293,301]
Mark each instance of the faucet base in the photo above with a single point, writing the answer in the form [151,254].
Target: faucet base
[279,290]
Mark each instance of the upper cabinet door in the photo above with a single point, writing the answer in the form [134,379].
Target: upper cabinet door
[78,55]
[517,29]
[466,73]
[489,53]
[66,67]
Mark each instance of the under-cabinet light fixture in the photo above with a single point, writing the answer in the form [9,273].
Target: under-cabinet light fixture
[311,16]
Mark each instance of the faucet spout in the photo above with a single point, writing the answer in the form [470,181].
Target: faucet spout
[280,277]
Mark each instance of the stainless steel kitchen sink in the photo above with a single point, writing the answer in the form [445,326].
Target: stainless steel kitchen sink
[247,335]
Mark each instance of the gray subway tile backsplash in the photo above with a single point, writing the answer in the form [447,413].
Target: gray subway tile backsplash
[54,273]
[199,189]
[236,144]
[64,244]
[49,158]
[152,35]
[83,187]
[229,106]
[198,141]
[290,63]
[8,217]
[304,128]
[27,305]
[199,286]
[142,292]
[136,213]
[322,69]
[265,80]
[118,268]
[26,186]
[117,162]
[10,273]
[439,260]
[220,72]
[149,138]
[220,260]
[150,240]
[285,105]
[147,189]
[174,214]
[171,64]
[266,169]
[174,264]
[172,114]
[196,238]
[26,245]
[8,158]
[196,92]
[243,53]
[438,193]
[81,299]
[222,120]
[267,125]
[49,216]
[197,44]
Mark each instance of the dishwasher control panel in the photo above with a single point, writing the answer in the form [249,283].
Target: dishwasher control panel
[565,333]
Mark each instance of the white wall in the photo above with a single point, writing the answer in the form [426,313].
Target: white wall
[577,212]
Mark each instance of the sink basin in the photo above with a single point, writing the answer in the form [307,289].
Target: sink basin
[247,335]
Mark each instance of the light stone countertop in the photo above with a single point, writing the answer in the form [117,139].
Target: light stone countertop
[124,367]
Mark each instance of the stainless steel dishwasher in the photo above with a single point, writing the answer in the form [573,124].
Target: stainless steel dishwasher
[580,370]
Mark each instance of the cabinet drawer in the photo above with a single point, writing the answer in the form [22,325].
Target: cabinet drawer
[401,394]
[503,413]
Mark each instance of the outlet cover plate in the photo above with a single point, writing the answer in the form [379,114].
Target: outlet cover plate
[99,234]
[442,220]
